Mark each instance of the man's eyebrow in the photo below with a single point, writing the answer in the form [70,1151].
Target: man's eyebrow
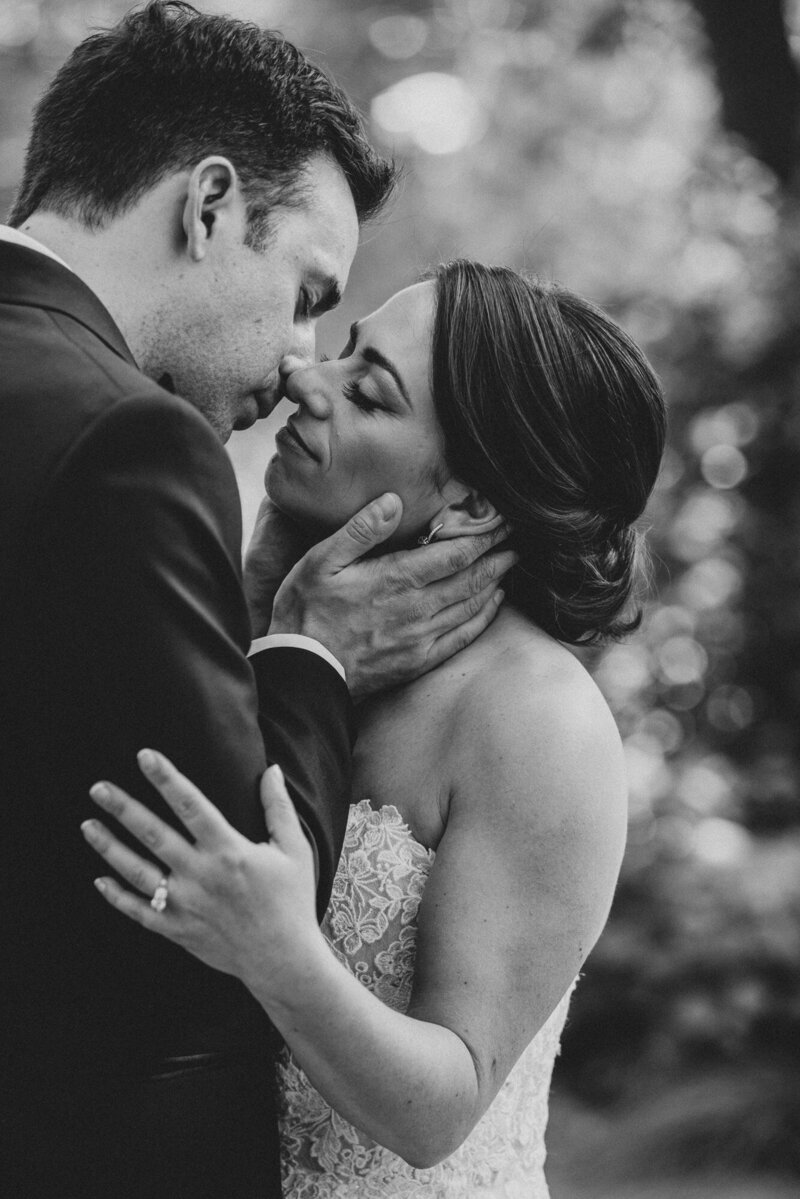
[370,354]
[331,296]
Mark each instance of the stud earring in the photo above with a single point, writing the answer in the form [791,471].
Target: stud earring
[429,538]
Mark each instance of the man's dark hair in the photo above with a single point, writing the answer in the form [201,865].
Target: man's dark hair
[168,86]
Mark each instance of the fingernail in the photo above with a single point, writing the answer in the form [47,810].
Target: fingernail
[100,883]
[499,596]
[87,827]
[100,793]
[387,505]
[275,773]
[146,759]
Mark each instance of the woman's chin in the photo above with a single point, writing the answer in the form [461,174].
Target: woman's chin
[320,520]
[316,524]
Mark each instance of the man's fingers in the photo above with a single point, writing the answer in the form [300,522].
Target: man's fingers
[283,824]
[206,824]
[450,618]
[368,528]
[457,639]
[486,572]
[467,556]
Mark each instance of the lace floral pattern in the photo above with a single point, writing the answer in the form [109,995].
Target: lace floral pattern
[371,927]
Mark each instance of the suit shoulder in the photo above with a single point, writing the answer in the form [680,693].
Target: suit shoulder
[69,403]
[56,365]
[62,384]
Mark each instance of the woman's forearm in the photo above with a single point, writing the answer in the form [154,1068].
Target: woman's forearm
[408,1084]
[247,909]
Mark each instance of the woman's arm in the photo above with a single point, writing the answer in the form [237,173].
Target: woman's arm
[248,909]
[518,893]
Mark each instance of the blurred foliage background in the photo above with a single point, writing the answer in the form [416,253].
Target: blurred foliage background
[643,152]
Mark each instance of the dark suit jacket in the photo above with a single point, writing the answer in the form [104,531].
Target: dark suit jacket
[129,1068]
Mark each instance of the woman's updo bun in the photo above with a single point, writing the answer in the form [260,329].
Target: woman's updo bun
[555,415]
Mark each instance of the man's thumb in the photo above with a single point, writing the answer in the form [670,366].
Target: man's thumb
[368,528]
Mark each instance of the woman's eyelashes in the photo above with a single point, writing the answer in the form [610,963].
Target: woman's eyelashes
[352,392]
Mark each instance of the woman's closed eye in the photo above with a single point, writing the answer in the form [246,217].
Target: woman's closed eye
[355,395]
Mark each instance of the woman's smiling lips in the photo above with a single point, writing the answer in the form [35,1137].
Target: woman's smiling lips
[289,437]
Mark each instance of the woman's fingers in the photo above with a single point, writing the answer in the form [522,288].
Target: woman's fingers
[167,844]
[143,875]
[206,824]
[283,824]
[135,908]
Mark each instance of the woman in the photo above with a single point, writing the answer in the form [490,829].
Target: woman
[489,809]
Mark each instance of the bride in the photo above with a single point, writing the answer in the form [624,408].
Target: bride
[489,803]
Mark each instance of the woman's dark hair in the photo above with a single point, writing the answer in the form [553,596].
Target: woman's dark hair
[554,415]
[168,86]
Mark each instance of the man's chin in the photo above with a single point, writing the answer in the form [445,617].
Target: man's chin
[244,422]
[266,401]
[251,410]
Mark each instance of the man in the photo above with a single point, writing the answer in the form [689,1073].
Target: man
[190,206]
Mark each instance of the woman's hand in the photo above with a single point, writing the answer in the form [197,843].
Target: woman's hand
[243,908]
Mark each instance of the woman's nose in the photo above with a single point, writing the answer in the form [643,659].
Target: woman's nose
[288,365]
[302,384]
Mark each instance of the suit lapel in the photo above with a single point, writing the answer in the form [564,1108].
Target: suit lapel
[34,280]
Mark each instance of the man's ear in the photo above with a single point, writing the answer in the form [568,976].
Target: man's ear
[466,512]
[213,196]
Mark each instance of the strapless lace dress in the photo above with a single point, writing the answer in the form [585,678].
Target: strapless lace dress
[371,927]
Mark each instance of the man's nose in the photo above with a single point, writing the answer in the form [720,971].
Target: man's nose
[303,384]
[304,341]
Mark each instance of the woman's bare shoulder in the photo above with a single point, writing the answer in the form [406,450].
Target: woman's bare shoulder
[538,794]
[533,722]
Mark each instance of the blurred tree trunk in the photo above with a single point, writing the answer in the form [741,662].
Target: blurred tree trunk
[756,75]
[760,88]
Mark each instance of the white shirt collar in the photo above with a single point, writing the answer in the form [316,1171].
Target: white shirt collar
[21,239]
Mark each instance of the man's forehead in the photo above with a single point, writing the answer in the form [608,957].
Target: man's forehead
[326,266]
[330,211]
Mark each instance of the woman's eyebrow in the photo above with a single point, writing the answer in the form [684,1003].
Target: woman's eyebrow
[370,354]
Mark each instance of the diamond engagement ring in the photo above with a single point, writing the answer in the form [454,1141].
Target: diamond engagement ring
[160,895]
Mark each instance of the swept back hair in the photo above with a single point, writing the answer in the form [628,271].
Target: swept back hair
[169,85]
[553,413]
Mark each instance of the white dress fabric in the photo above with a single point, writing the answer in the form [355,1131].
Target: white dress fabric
[371,927]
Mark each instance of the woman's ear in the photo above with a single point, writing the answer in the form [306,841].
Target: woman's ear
[466,512]
[213,197]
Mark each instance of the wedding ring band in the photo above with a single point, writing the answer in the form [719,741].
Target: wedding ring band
[160,895]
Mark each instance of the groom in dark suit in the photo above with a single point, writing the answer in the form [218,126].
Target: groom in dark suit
[190,206]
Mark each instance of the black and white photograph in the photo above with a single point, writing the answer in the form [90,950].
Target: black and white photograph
[400,599]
